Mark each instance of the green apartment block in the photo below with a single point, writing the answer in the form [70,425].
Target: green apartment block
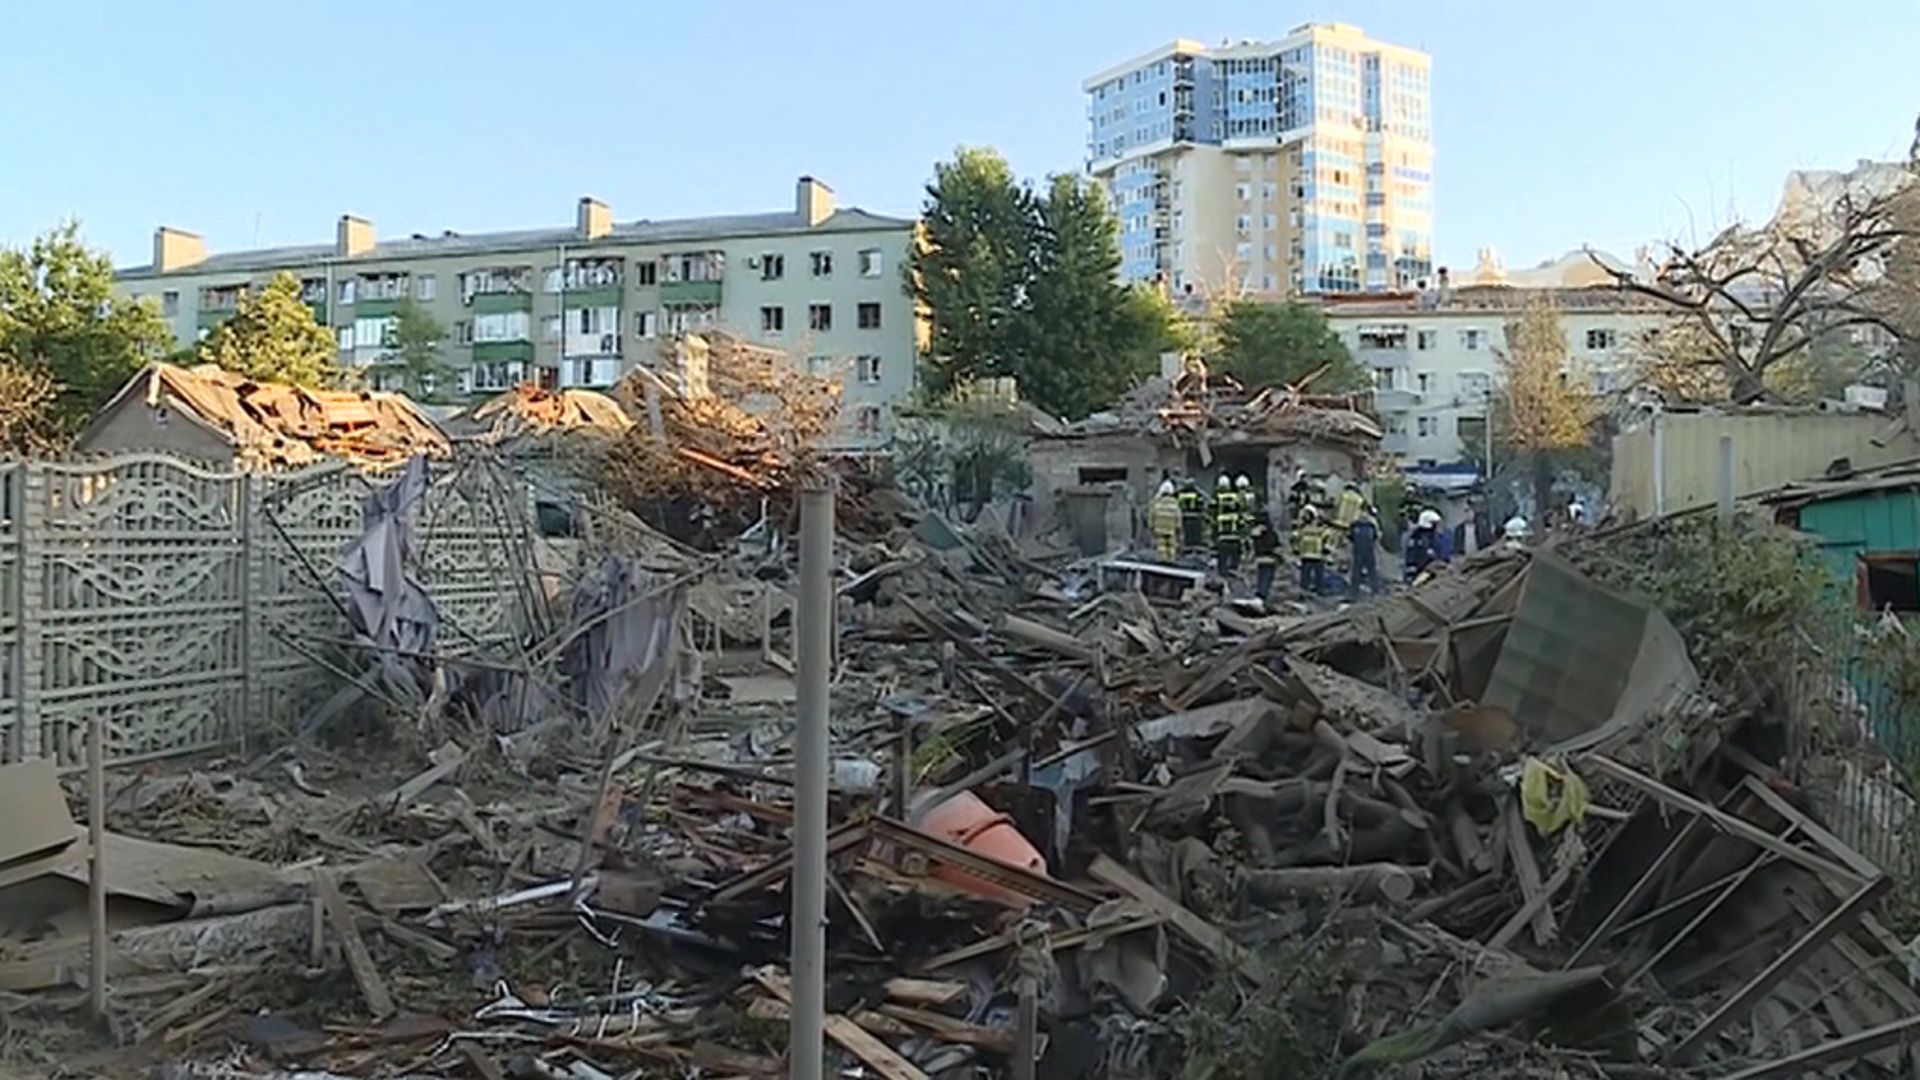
[581,307]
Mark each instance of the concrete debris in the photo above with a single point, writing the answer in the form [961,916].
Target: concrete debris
[1481,825]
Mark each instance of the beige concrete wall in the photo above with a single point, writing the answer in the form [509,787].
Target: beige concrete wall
[134,427]
[1768,450]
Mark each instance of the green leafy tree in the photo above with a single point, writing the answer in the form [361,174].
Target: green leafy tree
[1025,285]
[416,360]
[1264,344]
[273,337]
[972,268]
[60,323]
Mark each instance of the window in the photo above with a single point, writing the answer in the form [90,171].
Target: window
[773,319]
[463,333]
[868,419]
[1268,191]
[1240,191]
[772,267]
[1471,339]
[502,326]
[870,262]
[1600,338]
[1423,381]
[1384,377]
[1268,221]
[646,323]
[424,287]
[1423,426]
[1425,340]
[170,303]
[1243,223]
[495,376]
[1888,580]
[819,316]
[346,338]
[867,369]
[346,291]
[869,316]
[819,366]
[646,272]
[823,264]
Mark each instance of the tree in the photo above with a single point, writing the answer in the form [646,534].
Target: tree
[27,395]
[415,360]
[972,267]
[61,323]
[273,337]
[1545,411]
[1284,345]
[1754,299]
[1024,285]
[1084,340]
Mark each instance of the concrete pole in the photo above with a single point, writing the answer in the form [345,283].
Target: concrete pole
[1726,478]
[96,865]
[813,665]
[1659,463]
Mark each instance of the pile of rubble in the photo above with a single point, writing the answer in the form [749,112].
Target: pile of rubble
[1492,824]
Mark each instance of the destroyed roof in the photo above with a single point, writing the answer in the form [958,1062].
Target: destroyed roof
[1190,404]
[1890,477]
[528,410]
[275,424]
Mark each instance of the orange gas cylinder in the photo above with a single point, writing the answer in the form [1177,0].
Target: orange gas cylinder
[966,820]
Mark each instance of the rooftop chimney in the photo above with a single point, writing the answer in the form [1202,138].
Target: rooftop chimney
[354,237]
[176,249]
[815,201]
[594,219]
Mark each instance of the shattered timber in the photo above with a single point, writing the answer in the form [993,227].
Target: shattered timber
[463,769]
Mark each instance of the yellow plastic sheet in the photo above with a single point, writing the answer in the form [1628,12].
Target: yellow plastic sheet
[1552,798]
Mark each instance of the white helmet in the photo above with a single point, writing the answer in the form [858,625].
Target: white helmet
[1223,483]
[1166,487]
[1516,528]
[1429,519]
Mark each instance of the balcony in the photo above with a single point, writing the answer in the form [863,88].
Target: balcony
[501,303]
[1393,401]
[487,352]
[690,293]
[1378,357]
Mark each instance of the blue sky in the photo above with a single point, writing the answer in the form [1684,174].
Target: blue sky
[1556,123]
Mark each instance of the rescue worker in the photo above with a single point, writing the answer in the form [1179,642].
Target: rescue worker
[1226,527]
[1193,517]
[1420,549]
[1348,508]
[1365,569]
[1310,542]
[1163,517]
[1246,511]
[1516,531]
[1266,556]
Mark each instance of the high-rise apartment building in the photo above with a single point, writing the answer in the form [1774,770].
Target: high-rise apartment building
[1277,167]
[581,306]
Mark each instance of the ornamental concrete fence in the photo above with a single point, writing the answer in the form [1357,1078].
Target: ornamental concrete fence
[193,607]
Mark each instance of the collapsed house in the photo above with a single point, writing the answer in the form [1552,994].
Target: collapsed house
[209,414]
[1097,475]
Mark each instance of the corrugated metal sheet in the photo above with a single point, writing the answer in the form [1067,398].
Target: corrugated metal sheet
[1769,449]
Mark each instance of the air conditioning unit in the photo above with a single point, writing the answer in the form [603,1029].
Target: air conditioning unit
[753,262]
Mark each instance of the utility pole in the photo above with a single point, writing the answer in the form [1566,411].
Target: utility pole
[813,663]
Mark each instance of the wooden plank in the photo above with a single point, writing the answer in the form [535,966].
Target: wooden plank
[1720,819]
[952,1029]
[925,991]
[1810,1061]
[372,987]
[1775,973]
[1196,929]
[855,1039]
[1527,870]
